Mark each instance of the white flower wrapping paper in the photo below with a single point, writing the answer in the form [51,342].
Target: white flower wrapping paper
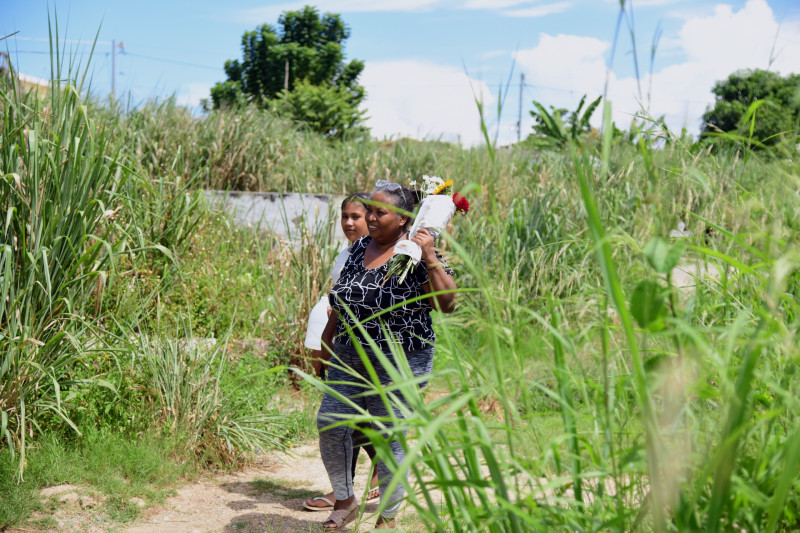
[434,214]
[411,249]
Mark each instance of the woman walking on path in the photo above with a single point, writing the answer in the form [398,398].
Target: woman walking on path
[354,226]
[362,289]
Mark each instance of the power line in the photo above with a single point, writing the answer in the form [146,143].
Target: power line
[172,61]
[141,56]
[44,40]
[207,67]
[47,40]
[151,58]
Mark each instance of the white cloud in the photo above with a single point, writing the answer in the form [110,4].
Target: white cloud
[728,40]
[376,5]
[561,68]
[717,45]
[422,100]
[656,3]
[190,94]
[271,12]
[651,3]
[491,54]
[567,62]
[538,10]
[493,4]
[524,8]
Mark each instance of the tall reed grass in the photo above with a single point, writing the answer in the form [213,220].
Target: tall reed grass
[60,188]
[93,238]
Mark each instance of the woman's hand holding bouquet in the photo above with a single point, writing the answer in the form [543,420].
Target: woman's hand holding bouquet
[437,208]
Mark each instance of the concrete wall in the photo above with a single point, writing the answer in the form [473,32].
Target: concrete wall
[282,213]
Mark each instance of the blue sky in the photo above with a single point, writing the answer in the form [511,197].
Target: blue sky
[426,58]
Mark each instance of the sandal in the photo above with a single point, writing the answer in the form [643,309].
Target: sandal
[309,506]
[385,524]
[340,517]
[374,493]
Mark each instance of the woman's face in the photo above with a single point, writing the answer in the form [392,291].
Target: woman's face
[384,224]
[354,225]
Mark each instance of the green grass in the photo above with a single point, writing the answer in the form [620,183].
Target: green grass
[115,466]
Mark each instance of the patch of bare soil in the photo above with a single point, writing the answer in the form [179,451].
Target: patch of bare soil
[266,497]
[63,503]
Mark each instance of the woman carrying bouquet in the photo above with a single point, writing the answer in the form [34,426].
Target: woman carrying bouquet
[364,289]
[354,226]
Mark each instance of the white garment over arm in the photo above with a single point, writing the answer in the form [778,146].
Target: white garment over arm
[318,317]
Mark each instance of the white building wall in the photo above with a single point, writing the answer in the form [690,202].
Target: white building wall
[282,213]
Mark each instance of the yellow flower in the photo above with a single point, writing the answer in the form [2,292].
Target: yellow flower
[443,186]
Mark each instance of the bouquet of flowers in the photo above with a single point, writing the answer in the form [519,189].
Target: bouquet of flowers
[437,208]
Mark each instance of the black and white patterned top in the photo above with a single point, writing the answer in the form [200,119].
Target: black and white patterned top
[364,293]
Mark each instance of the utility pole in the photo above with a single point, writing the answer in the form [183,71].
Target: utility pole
[113,68]
[114,46]
[286,76]
[521,89]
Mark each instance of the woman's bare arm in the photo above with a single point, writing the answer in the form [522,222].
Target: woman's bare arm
[327,335]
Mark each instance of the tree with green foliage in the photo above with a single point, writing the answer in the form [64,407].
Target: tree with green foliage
[298,68]
[322,109]
[757,106]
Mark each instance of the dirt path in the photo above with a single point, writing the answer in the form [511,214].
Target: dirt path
[265,498]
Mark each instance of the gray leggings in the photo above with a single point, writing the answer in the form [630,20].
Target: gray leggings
[336,444]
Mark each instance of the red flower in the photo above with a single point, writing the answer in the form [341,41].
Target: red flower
[462,205]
